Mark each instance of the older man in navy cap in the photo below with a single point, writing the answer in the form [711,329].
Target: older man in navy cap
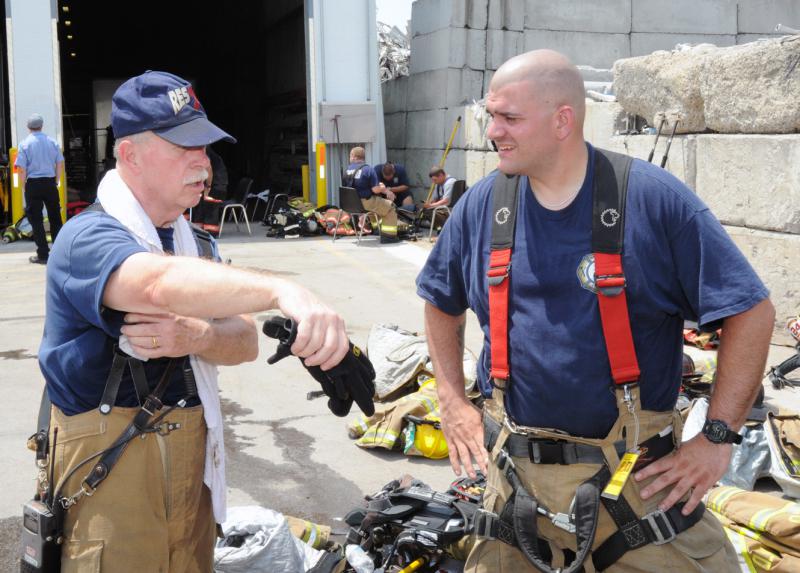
[137,321]
[40,165]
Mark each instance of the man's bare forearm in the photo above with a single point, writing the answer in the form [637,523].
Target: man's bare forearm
[231,341]
[188,286]
[445,335]
[741,360]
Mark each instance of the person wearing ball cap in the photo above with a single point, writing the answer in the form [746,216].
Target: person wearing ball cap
[131,302]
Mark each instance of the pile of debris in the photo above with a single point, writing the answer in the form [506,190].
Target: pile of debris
[395,52]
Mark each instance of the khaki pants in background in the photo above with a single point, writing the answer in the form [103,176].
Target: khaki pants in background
[703,547]
[386,211]
[152,513]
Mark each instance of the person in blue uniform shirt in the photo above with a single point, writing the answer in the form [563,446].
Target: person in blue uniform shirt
[127,282]
[40,165]
[393,178]
[679,264]
[361,176]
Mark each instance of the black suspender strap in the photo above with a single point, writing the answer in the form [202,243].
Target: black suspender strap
[115,378]
[611,172]
[139,379]
[112,382]
[151,405]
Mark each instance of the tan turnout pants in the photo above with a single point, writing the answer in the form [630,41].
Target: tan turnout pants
[386,211]
[703,547]
[152,513]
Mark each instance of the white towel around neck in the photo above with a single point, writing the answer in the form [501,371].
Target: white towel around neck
[119,202]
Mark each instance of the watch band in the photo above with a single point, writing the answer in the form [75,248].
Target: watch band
[718,432]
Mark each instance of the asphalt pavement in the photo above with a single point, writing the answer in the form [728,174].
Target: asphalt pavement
[284,452]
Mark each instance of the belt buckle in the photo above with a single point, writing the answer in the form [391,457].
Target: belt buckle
[652,521]
[483,524]
[545,451]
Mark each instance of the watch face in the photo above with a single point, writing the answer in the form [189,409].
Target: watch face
[716,431]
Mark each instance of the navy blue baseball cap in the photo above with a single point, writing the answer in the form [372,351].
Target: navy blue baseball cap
[166,105]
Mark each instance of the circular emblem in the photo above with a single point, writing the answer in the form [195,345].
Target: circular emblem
[609,217]
[585,272]
[502,215]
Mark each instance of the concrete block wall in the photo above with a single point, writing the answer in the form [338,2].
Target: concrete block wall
[457,44]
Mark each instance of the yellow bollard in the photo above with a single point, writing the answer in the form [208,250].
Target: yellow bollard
[306,182]
[17,207]
[18,191]
[62,194]
[322,180]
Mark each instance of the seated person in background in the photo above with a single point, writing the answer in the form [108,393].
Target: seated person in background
[218,176]
[215,190]
[393,178]
[363,179]
[440,197]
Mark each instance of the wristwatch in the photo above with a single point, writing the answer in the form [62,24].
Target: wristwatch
[718,432]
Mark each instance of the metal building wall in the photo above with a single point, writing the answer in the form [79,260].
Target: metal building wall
[344,90]
[34,77]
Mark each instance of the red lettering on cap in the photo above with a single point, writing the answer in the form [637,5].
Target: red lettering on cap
[195,101]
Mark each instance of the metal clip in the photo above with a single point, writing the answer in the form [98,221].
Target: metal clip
[658,534]
[504,461]
[484,524]
[561,520]
[167,428]
[496,275]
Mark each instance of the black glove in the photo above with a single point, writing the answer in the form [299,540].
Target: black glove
[353,379]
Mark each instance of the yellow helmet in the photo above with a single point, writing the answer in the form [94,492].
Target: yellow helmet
[429,438]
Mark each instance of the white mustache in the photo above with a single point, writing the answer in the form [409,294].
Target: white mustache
[197,177]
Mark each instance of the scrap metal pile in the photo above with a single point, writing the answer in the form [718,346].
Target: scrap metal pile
[395,52]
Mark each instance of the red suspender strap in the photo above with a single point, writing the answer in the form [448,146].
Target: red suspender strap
[499,266]
[610,283]
[505,192]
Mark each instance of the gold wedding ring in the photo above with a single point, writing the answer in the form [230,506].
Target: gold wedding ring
[155,341]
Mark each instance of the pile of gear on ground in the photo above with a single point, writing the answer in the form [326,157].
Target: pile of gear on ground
[407,526]
[291,217]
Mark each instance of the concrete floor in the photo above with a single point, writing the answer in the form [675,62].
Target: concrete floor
[284,452]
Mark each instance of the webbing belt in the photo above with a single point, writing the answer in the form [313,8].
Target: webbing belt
[545,451]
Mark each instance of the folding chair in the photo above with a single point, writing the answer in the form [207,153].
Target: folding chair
[459,187]
[237,205]
[350,202]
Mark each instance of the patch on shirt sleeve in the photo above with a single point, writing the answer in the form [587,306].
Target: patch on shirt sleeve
[585,272]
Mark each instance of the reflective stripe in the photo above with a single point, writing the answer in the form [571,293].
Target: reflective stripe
[379,436]
[721,496]
[761,518]
[740,546]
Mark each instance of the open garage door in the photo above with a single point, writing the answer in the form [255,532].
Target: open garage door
[247,61]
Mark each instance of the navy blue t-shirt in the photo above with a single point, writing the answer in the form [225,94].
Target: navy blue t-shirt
[80,333]
[679,264]
[364,180]
[400,176]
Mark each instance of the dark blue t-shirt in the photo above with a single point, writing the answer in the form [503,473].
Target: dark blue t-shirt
[80,333]
[679,264]
[400,176]
[364,178]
